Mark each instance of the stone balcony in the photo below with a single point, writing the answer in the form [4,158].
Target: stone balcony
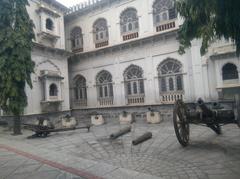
[171,97]
[167,26]
[105,101]
[136,99]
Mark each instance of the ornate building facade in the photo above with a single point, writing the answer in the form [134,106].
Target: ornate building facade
[122,54]
[50,92]
[132,46]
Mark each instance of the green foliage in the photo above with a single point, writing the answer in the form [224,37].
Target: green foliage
[209,20]
[16,66]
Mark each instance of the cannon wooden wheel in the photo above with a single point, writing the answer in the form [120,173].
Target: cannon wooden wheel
[181,124]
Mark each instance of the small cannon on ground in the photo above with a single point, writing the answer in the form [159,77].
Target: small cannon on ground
[120,132]
[44,127]
[142,138]
[213,118]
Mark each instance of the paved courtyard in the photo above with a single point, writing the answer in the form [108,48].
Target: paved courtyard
[79,154]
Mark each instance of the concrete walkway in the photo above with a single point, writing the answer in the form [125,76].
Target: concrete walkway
[78,154]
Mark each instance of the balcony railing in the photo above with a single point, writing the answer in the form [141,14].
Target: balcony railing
[101,44]
[135,99]
[170,98]
[105,101]
[163,27]
[130,36]
[76,50]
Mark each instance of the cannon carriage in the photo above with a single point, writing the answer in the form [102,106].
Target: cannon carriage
[213,116]
[44,127]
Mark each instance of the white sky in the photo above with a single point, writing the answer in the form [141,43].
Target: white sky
[70,3]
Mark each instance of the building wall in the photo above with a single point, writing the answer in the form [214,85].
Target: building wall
[202,76]
[49,55]
[39,20]
[47,60]
[111,13]
[148,57]
[221,53]
[119,54]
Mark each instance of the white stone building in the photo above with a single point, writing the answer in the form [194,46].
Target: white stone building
[50,92]
[124,56]
[127,56]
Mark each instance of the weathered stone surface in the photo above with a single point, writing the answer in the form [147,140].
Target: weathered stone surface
[69,122]
[153,117]
[207,156]
[125,119]
[97,120]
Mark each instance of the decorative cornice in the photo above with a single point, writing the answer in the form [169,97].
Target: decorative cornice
[85,6]
[89,6]
[230,54]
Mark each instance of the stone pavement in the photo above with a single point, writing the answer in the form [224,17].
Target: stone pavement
[89,155]
[16,167]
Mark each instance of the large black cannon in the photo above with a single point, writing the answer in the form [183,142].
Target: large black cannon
[201,114]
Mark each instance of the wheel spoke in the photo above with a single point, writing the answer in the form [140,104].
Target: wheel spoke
[180,123]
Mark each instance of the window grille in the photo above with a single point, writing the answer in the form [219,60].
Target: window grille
[104,88]
[100,33]
[134,84]
[163,10]
[229,72]
[80,88]
[170,80]
[77,39]
[129,21]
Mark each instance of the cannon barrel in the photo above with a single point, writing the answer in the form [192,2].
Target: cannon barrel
[206,111]
[62,129]
[120,132]
[142,138]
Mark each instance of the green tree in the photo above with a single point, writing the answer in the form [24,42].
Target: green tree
[209,20]
[16,66]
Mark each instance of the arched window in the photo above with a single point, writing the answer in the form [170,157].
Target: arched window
[163,10]
[100,31]
[163,85]
[179,83]
[133,77]
[170,76]
[129,21]
[229,72]
[53,90]
[104,85]
[76,38]
[49,24]
[80,88]
[171,85]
